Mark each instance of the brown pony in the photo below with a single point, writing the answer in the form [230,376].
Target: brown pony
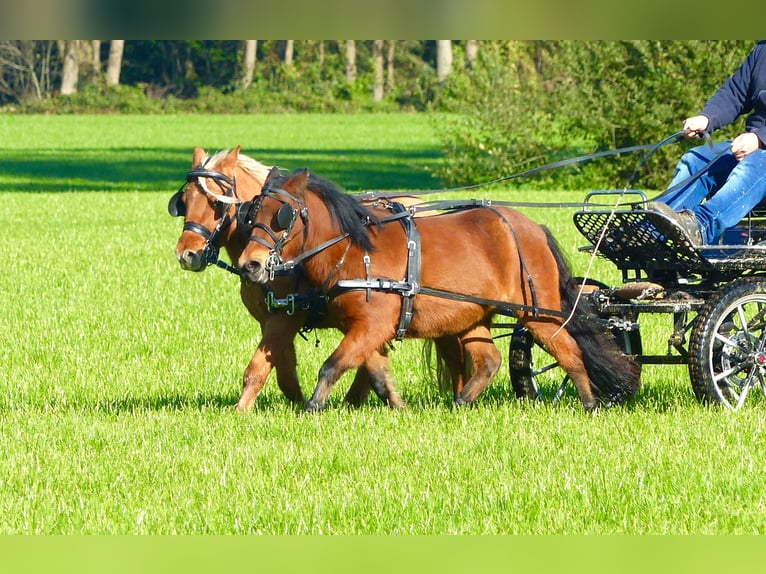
[473,263]
[208,202]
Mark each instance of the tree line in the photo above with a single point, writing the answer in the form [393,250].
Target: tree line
[34,70]
[502,105]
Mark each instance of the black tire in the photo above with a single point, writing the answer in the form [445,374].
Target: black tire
[520,362]
[526,368]
[726,346]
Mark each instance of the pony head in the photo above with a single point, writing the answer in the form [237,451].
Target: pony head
[280,229]
[207,201]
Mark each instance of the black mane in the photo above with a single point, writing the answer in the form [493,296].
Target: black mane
[345,210]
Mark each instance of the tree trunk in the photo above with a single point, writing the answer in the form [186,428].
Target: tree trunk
[350,61]
[289,46]
[96,61]
[248,63]
[390,66]
[113,67]
[443,59]
[377,58]
[471,52]
[70,73]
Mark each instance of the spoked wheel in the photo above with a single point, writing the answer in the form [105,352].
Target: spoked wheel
[527,371]
[530,364]
[727,345]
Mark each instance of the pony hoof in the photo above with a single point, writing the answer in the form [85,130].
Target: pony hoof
[591,407]
[243,407]
[312,407]
[461,403]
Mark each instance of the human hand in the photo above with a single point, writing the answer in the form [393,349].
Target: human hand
[744,144]
[695,125]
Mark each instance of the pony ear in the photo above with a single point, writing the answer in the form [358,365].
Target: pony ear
[273,174]
[300,179]
[232,157]
[198,157]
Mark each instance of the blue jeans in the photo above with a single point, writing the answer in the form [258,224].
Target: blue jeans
[731,188]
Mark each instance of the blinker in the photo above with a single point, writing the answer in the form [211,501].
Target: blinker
[244,214]
[176,205]
[284,217]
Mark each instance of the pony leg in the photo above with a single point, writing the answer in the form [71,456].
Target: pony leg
[376,368]
[272,352]
[285,363]
[254,378]
[564,348]
[374,375]
[360,388]
[478,343]
[355,349]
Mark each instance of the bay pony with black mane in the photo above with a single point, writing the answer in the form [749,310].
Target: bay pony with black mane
[208,202]
[492,257]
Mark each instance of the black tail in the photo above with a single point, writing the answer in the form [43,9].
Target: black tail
[615,376]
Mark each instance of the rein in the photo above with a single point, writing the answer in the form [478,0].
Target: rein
[369,195]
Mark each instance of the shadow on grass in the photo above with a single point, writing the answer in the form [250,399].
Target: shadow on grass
[192,402]
[653,396]
[155,169]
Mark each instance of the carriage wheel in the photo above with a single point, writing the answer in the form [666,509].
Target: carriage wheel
[529,362]
[727,345]
[526,370]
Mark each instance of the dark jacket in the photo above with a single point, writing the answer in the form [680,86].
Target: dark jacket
[743,92]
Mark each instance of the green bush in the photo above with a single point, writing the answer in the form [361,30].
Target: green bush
[528,104]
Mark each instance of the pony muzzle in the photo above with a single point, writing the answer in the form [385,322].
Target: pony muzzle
[191,260]
[257,270]
[254,271]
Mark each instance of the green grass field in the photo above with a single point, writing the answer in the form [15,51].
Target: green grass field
[120,372]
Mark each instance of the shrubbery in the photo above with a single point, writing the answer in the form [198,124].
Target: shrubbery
[529,104]
[522,105]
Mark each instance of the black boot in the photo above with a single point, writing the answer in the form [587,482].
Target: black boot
[685,220]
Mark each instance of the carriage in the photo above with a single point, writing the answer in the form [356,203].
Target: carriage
[714,295]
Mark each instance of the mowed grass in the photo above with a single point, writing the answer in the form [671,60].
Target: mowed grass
[120,372]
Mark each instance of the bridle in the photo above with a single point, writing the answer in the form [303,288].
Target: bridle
[224,201]
[285,219]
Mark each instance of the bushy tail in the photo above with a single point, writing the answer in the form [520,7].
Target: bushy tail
[615,376]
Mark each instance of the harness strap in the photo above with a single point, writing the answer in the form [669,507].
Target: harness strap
[403,287]
[413,272]
[523,263]
[268,231]
[502,305]
[289,265]
[198,229]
